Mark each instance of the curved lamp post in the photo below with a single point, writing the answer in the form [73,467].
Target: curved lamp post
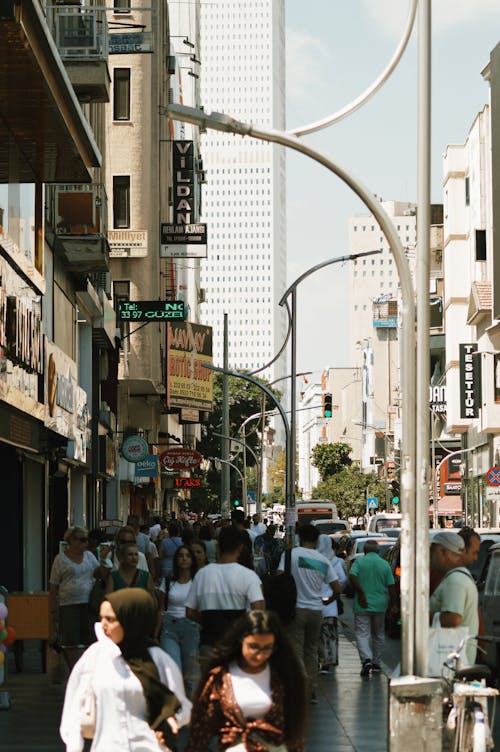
[225,123]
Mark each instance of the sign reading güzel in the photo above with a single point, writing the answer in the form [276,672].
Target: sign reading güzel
[151,310]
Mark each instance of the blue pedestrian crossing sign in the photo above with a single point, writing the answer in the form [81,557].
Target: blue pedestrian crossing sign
[372,502]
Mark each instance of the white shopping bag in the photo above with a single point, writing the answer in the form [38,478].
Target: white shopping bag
[442,642]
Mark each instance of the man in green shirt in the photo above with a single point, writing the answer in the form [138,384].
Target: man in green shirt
[371,578]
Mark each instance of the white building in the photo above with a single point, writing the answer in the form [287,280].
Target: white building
[243,74]
[374,285]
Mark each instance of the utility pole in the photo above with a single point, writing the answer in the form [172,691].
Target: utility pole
[226,467]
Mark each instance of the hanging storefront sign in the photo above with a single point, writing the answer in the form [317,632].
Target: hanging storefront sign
[134,448]
[147,468]
[470,381]
[189,382]
[437,398]
[187,482]
[151,310]
[184,237]
[180,458]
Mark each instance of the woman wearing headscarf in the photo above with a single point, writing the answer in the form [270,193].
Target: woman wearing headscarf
[136,686]
[328,641]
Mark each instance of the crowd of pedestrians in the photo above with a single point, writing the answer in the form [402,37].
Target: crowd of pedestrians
[172,613]
[169,626]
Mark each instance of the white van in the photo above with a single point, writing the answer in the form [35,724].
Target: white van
[315,509]
[381,522]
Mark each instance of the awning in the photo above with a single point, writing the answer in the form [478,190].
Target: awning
[449,505]
[44,135]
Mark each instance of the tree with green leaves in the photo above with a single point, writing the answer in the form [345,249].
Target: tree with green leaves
[245,399]
[331,458]
[349,488]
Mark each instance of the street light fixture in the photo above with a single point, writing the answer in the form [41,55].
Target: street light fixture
[225,123]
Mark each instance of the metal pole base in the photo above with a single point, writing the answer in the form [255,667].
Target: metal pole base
[5,703]
[415,714]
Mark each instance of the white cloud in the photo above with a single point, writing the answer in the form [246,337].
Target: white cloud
[390,15]
[304,63]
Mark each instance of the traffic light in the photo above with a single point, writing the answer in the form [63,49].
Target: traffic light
[236,503]
[327,406]
[395,492]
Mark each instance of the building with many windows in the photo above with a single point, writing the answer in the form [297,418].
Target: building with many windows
[244,275]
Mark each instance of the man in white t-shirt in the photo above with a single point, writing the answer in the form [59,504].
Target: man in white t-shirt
[257,527]
[310,570]
[223,591]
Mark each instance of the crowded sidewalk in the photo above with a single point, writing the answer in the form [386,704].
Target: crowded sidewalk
[351,715]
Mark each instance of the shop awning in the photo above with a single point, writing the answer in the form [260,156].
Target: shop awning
[44,135]
[449,505]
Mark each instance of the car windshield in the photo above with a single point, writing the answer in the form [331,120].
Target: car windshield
[387,522]
[330,527]
[382,545]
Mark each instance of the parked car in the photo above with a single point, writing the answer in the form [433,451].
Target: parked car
[489,603]
[380,522]
[478,569]
[330,526]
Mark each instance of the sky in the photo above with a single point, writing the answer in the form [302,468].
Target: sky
[335,49]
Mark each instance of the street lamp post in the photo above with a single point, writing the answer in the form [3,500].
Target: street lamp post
[258,464]
[227,124]
[438,468]
[235,467]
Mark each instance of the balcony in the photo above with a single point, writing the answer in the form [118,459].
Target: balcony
[81,36]
[77,220]
[44,135]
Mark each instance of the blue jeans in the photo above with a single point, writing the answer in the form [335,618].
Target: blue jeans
[180,638]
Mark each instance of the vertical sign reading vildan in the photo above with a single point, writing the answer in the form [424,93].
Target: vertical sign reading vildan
[184,236]
[470,381]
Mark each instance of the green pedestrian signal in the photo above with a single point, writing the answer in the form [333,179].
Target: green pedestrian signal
[236,503]
[327,406]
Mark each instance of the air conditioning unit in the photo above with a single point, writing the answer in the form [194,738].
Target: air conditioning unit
[76,34]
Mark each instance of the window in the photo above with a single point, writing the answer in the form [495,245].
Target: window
[121,6]
[480,245]
[121,94]
[496,375]
[467,191]
[121,292]
[121,201]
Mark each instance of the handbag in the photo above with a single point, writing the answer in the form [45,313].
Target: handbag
[88,712]
[442,642]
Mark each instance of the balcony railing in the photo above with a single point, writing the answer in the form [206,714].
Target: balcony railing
[77,219]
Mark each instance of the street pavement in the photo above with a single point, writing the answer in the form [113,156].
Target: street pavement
[351,715]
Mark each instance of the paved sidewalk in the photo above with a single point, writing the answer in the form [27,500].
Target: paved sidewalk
[351,715]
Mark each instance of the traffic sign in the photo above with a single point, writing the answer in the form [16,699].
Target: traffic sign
[493,476]
[492,493]
[372,502]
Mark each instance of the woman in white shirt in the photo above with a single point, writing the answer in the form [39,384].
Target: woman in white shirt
[180,636]
[135,686]
[71,580]
[253,695]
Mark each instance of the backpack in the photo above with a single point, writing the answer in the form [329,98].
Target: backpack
[280,591]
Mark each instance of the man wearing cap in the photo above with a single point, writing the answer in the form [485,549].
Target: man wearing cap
[455,598]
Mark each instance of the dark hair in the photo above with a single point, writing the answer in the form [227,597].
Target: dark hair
[174,529]
[308,533]
[468,533]
[229,540]
[205,533]
[238,515]
[201,545]
[283,662]
[175,562]
[188,536]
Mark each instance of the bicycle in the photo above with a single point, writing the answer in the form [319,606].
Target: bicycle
[468,718]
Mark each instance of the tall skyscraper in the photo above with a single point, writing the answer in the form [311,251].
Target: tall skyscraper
[242,74]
